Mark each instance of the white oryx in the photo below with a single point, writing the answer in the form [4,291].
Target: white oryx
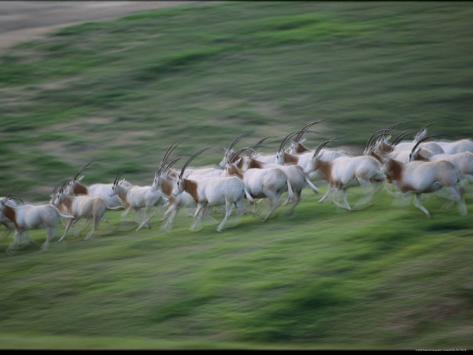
[463,161]
[26,217]
[296,177]
[212,191]
[303,156]
[347,171]
[420,177]
[267,183]
[400,150]
[140,199]
[80,207]
[103,191]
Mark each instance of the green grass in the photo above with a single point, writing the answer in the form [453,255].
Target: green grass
[383,277]
[121,91]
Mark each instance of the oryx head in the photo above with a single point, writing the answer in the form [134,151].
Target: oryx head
[228,151]
[165,165]
[316,157]
[59,194]
[179,186]
[296,146]
[120,185]
[281,151]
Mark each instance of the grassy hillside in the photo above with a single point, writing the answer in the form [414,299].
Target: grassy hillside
[121,91]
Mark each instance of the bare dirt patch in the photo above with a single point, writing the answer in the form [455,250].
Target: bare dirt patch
[21,21]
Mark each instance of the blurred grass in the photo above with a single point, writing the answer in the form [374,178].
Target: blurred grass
[384,277]
[121,91]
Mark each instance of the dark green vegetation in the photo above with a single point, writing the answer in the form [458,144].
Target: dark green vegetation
[121,91]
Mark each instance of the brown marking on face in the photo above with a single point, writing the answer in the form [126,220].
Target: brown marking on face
[191,188]
[290,159]
[300,148]
[166,187]
[240,164]
[10,213]
[232,170]
[255,164]
[79,189]
[386,148]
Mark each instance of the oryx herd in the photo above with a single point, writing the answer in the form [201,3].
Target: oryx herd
[404,167]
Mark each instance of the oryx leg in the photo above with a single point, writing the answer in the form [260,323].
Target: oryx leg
[240,208]
[45,245]
[197,216]
[125,214]
[456,194]
[97,218]
[16,241]
[327,195]
[345,204]
[228,212]
[68,226]
[370,190]
[169,216]
[297,199]
[146,217]
[274,203]
[419,205]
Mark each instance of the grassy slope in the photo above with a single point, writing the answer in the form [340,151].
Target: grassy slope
[120,91]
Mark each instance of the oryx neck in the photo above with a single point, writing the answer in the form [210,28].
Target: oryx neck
[290,159]
[190,186]
[10,213]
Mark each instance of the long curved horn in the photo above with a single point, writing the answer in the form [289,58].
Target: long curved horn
[236,140]
[417,144]
[81,170]
[320,147]
[259,143]
[286,139]
[375,136]
[402,135]
[166,155]
[252,147]
[170,164]
[190,159]
[303,130]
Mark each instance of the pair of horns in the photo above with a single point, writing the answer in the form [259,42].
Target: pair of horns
[423,139]
[250,148]
[82,169]
[192,157]
[297,134]
[164,166]
[304,130]
[321,146]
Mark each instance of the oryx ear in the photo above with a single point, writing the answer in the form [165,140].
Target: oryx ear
[80,178]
